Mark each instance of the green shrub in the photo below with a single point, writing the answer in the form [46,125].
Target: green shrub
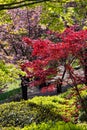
[39,109]
[50,126]
[24,113]
[9,73]
[54,126]
[10,128]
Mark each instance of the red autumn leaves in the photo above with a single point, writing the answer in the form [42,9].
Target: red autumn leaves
[46,54]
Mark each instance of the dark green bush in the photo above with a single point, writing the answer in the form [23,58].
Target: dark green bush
[24,113]
[83,114]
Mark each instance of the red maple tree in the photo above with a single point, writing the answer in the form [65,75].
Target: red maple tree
[48,56]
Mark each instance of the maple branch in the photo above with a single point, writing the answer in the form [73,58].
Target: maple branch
[63,73]
[78,92]
[4,50]
[20,4]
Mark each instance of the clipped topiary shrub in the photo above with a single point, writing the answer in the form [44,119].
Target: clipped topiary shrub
[55,126]
[24,113]
[10,128]
[50,126]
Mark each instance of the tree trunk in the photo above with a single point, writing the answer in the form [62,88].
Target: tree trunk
[85,66]
[86,75]
[24,85]
[24,92]
[59,86]
[42,85]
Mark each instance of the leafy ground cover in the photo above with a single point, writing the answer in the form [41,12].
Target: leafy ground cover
[38,110]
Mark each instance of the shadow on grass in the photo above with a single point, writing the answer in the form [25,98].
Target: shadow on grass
[7,95]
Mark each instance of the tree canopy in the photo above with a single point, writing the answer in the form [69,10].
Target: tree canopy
[56,14]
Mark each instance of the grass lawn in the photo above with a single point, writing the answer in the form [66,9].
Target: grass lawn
[10,90]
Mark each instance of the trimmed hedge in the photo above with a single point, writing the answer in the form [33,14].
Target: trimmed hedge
[40,109]
[50,126]
[55,126]
[24,113]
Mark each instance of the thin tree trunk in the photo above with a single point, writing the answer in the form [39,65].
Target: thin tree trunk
[85,66]
[59,86]
[24,85]
[24,92]
[60,81]
[42,85]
